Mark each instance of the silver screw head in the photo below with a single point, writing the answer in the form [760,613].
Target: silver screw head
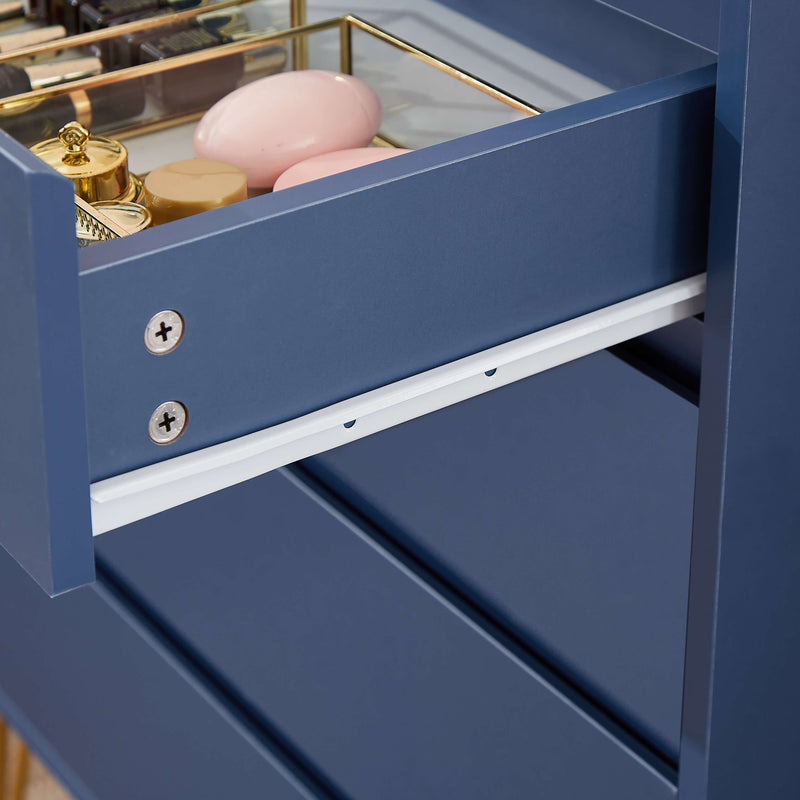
[168,422]
[164,332]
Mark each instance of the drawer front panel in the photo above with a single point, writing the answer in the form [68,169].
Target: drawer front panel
[562,503]
[114,716]
[379,683]
[44,504]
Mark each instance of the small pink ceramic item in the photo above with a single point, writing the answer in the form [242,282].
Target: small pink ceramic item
[267,126]
[331,163]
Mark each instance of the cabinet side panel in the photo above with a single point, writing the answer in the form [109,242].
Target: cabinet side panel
[740,733]
[594,38]
[696,20]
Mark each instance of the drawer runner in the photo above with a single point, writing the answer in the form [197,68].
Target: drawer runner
[140,493]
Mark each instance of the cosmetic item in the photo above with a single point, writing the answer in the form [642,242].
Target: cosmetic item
[184,188]
[194,87]
[125,51]
[271,124]
[93,226]
[333,163]
[94,14]
[98,166]
[39,9]
[122,219]
[16,41]
[104,221]
[18,80]
[80,16]
[11,10]
[100,108]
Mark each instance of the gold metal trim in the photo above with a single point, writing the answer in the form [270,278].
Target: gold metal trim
[154,67]
[345,47]
[154,125]
[381,140]
[96,222]
[297,19]
[256,42]
[443,66]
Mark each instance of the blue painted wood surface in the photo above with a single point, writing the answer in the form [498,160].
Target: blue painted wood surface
[113,712]
[386,688]
[44,477]
[597,40]
[413,262]
[740,736]
[564,504]
[695,20]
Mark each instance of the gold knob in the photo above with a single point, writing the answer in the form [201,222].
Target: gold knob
[74,137]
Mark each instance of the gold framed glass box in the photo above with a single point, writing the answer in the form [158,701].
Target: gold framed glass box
[157,76]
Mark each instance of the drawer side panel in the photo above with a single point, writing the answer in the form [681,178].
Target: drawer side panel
[296,301]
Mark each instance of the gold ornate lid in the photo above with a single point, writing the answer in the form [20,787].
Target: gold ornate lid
[98,166]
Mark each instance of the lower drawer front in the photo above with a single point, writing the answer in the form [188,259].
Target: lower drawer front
[114,716]
[365,672]
[563,504]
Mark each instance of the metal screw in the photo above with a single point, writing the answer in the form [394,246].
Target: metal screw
[164,332]
[168,422]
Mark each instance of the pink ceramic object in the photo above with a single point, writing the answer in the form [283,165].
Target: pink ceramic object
[268,125]
[331,163]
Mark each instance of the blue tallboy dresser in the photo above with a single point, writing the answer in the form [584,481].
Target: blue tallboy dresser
[581,582]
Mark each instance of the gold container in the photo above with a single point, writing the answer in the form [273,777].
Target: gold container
[98,166]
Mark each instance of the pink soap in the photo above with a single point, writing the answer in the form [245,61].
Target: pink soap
[267,126]
[331,163]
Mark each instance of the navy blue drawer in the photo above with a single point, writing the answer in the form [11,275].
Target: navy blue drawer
[562,503]
[301,299]
[367,673]
[116,715]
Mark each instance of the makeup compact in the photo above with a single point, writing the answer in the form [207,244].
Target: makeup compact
[108,220]
[184,188]
[98,166]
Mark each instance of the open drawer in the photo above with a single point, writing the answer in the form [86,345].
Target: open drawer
[371,297]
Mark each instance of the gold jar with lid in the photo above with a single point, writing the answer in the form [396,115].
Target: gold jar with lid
[98,166]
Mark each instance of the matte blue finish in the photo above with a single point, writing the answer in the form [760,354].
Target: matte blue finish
[44,478]
[507,232]
[670,355]
[563,503]
[696,20]
[740,737]
[597,40]
[381,684]
[112,712]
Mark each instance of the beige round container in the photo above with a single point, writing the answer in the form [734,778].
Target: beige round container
[183,188]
